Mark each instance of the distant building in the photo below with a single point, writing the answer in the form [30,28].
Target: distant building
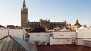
[25,23]
[75,26]
[1,26]
[13,27]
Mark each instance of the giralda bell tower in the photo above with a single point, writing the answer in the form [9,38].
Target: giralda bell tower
[24,15]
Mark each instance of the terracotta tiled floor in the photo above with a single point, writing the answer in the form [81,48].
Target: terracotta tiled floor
[63,48]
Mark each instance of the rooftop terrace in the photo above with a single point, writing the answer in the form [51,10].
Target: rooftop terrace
[62,48]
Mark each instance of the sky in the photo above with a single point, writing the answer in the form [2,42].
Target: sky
[55,10]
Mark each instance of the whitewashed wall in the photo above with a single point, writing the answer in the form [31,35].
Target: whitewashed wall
[3,33]
[80,33]
[17,33]
[87,33]
[87,42]
[60,41]
[64,34]
[39,37]
[62,37]
[14,32]
[79,41]
[84,33]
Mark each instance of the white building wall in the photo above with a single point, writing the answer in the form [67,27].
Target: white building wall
[80,33]
[17,33]
[14,32]
[62,37]
[79,41]
[39,37]
[83,33]
[60,41]
[64,34]
[3,33]
[87,42]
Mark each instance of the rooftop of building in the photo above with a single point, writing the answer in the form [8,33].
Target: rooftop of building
[11,43]
[63,48]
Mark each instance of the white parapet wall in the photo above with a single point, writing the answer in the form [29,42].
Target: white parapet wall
[64,34]
[87,42]
[14,32]
[79,41]
[3,33]
[40,36]
[83,33]
[60,41]
[19,33]
[62,38]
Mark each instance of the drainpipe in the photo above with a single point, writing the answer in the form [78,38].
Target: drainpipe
[8,32]
[23,36]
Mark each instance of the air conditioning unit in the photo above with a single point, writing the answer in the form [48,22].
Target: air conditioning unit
[37,43]
[44,43]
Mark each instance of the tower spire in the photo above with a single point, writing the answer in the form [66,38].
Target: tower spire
[24,4]
[77,21]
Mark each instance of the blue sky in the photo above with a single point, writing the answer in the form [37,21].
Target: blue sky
[55,10]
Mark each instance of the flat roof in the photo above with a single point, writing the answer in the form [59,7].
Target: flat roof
[70,47]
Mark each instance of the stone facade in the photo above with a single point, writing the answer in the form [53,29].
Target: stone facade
[24,15]
[42,23]
[46,24]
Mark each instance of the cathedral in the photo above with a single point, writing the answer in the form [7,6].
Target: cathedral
[25,23]
[24,15]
